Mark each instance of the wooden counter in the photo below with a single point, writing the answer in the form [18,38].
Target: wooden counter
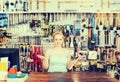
[70,77]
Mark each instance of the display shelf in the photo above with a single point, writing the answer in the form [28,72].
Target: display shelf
[93,6]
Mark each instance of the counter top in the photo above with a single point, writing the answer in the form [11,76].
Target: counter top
[70,77]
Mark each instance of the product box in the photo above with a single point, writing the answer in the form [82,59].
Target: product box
[4,64]
[3,68]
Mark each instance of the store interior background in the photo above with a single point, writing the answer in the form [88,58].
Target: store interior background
[29,24]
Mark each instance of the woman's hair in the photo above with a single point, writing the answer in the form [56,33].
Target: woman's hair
[58,33]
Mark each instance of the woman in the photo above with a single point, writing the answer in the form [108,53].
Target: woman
[57,59]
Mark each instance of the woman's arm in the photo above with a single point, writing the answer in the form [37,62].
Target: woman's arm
[45,60]
[71,63]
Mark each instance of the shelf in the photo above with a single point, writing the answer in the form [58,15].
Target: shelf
[80,6]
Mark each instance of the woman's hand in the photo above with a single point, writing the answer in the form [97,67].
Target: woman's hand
[73,62]
[78,57]
[44,61]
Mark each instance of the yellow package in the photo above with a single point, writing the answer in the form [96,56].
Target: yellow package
[92,62]
[3,66]
[98,65]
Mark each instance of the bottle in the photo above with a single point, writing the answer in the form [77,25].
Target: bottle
[25,5]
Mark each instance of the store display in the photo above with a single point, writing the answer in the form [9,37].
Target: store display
[28,25]
[24,51]
[36,65]
[15,5]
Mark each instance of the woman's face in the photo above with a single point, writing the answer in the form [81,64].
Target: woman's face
[58,40]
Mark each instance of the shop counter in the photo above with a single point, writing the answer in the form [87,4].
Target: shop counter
[70,77]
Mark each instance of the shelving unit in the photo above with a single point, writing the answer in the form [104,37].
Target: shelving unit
[97,22]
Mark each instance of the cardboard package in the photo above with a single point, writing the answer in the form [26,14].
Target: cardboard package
[3,68]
